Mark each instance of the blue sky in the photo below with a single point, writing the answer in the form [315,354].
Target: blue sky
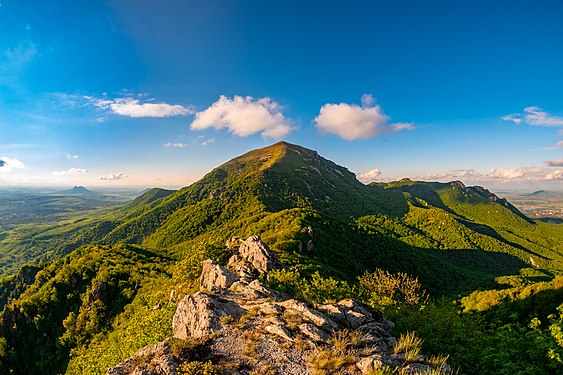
[147,93]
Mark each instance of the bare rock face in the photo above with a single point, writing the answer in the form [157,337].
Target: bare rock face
[215,277]
[253,255]
[198,315]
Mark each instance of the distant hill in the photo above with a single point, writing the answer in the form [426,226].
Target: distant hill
[78,190]
[545,194]
[148,196]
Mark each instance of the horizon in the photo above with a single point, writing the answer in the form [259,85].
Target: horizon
[133,94]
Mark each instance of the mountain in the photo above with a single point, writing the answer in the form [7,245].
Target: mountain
[545,194]
[78,190]
[113,279]
[281,190]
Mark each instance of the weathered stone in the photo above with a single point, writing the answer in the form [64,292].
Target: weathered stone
[369,364]
[313,332]
[257,253]
[417,368]
[351,313]
[215,277]
[281,331]
[198,315]
[315,317]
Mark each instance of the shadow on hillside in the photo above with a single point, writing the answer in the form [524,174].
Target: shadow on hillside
[539,304]
[554,220]
[488,231]
[426,193]
[347,252]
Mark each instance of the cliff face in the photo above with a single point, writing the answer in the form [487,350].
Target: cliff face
[237,325]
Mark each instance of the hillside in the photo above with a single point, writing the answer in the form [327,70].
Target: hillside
[78,190]
[545,194]
[322,223]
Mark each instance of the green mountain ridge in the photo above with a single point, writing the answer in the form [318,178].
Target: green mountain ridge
[314,214]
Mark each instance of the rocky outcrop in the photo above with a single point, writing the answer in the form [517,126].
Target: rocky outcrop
[253,257]
[199,315]
[249,328]
[215,277]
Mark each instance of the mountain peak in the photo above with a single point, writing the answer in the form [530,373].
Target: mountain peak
[78,190]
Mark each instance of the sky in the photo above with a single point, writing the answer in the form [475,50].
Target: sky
[158,93]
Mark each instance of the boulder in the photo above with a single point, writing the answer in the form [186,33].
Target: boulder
[198,315]
[315,317]
[256,254]
[215,277]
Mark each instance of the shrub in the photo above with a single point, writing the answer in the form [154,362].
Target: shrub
[381,288]
[197,368]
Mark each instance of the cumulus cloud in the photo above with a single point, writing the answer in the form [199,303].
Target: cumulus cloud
[495,174]
[534,116]
[559,144]
[244,116]
[554,163]
[369,176]
[71,157]
[555,175]
[133,107]
[350,121]
[456,174]
[174,145]
[113,177]
[69,172]
[7,164]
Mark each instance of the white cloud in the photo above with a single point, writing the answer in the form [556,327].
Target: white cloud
[208,141]
[71,157]
[174,145]
[559,144]
[504,174]
[132,107]
[554,163]
[369,176]
[7,164]
[495,174]
[534,116]
[350,121]
[456,174]
[244,116]
[555,175]
[69,172]
[113,177]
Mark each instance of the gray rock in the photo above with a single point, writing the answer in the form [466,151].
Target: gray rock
[215,277]
[256,253]
[198,315]
[280,331]
[417,368]
[367,365]
[315,317]
[313,332]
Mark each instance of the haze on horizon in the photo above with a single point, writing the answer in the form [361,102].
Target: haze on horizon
[138,93]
